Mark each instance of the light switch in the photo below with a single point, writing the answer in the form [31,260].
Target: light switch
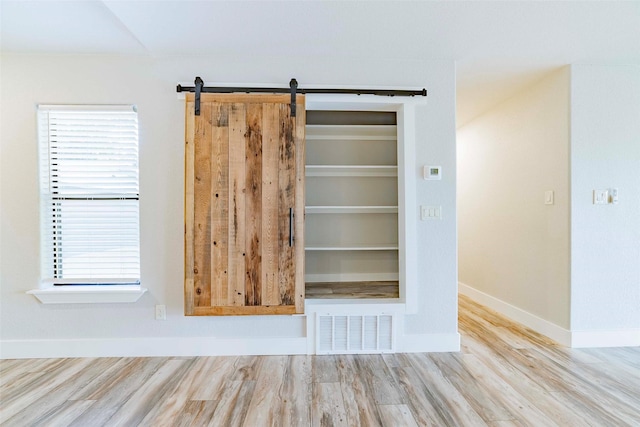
[430,212]
[548,197]
[600,197]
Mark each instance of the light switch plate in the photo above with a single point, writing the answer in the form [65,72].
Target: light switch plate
[600,197]
[161,312]
[430,212]
[548,197]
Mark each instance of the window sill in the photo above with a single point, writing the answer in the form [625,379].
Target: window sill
[94,294]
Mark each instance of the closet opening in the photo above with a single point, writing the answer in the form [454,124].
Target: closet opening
[351,205]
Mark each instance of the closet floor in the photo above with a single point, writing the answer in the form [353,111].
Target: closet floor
[361,290]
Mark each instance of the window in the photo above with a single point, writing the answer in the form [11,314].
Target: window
[89,194]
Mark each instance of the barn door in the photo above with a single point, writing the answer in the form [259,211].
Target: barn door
[244,205]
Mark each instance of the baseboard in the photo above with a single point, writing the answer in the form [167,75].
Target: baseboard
[188,347]
[542,326]
[428,343]
[150,347]
[616,338]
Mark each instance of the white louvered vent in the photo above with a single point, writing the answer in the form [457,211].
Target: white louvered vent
[351,334]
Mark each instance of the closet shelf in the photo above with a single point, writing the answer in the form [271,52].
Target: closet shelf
[309,137]
[351,132]
[349,209]
[351,170]
[381,247]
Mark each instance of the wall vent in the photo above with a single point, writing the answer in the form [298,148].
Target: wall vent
[353,334]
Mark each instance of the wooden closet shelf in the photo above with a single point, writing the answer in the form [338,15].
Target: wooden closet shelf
[351,170]
[382,247]
[349,209]
[352,132]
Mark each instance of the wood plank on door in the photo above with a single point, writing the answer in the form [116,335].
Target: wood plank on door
[220,206]
[253,206]
[189,254]
[270,169]
[202,208]
[286,204]
[237,180]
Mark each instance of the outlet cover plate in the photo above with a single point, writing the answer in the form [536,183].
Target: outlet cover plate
[161,312]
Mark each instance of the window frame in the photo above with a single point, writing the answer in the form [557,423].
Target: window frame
[52,199]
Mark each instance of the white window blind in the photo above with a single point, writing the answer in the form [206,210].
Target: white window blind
[89,194]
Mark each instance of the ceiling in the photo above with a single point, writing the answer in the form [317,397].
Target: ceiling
[499,47]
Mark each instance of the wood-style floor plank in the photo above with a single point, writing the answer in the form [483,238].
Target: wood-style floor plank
[117,389]
[397,416]
[461,375]
[63,414]
[180,404]
[295,393]
[195,413]
[420,401]
[452,407]
[233,405]
[360,409]
[262,410]
[328,406]
[150,394]
[26,401]
[505,375]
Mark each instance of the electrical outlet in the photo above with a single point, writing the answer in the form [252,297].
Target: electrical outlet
[161,312]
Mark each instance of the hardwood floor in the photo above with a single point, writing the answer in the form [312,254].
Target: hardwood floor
[505,375]
[357,290]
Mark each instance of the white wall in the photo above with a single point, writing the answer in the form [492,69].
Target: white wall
[605,239]
[571,270]
[512,246]
[150,84]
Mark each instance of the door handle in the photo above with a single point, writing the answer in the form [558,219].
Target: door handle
[290,226]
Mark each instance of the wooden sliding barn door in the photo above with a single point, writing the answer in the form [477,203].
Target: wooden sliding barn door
[244,205]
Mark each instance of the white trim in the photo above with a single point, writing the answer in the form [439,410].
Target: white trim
[350,171]
[407,208]
[551,330]
[407,176]
[615,338]
[349,137]
[350,209]
[93,294]
[351,277]
[47,283]
[428,343]
[151,347]
[87,107]
[352,306]
[379,247]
